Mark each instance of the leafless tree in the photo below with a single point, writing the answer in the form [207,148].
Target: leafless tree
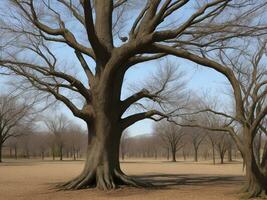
[247,74]
[196,136]
[211,136]
[15,116]
[74,137]
[221,145]
[170,136]
[58,126]
[34,27]
[124,143]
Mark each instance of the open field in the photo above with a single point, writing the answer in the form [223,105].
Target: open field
[181,180]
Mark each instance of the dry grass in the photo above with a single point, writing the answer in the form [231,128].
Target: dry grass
[182,180]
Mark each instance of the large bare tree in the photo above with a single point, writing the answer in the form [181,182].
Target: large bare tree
[156,28]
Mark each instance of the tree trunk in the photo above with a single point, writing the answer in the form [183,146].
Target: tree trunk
[61,152]
[53,153]
[256,180]
[102,168]
[74,154]
[213,154]
[168,154]
[184,155]
[230,155]
[196,155]
[222,157]
[173,156]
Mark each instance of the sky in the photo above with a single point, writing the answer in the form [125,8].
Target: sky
[200,80]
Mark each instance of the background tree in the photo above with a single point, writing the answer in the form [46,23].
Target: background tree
[221,145]
[74,138]
[15,116]
[58,126]
[196,138]
[170,136]
[124,143]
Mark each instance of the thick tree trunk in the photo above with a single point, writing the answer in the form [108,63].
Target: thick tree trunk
[256,181]
[102,167]
[256,184]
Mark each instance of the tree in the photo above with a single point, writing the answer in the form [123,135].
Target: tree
[221,145]
[196,136]
[36,26]
[124,143]
[245,70]
[74,139]
[170,136]
[14,118]
[212,138]
[58,126]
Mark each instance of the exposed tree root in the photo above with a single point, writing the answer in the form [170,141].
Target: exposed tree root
[253,191]
[102,180]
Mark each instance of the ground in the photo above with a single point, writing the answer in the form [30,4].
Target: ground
[33,180]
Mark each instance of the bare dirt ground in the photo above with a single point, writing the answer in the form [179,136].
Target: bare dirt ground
[33,180]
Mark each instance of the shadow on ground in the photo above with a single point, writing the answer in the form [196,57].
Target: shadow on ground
[166,180]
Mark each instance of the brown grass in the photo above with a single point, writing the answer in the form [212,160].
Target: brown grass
[182,180]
